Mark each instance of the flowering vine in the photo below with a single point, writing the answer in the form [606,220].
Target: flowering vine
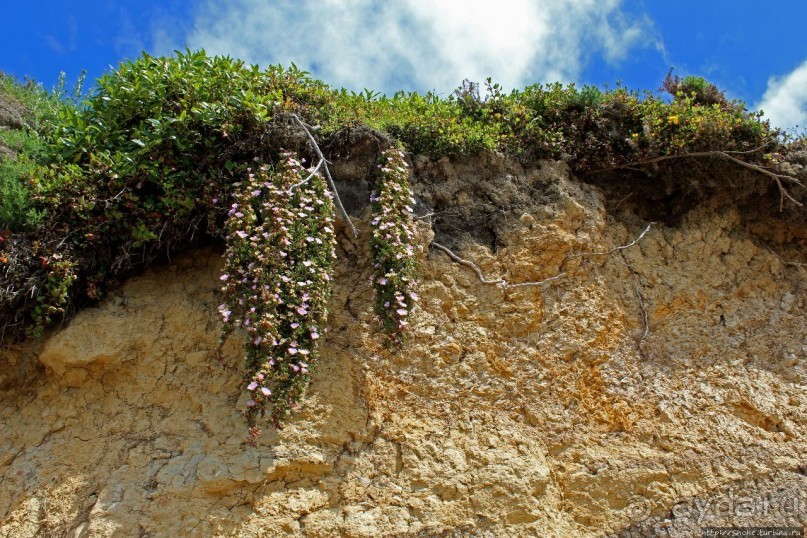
[277,281]
[394,267]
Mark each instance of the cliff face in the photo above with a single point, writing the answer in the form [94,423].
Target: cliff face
[541,410]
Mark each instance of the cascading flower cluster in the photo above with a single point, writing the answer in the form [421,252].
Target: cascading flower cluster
[394,267]
[277,281]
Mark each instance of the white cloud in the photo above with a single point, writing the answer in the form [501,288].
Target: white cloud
[420,44]
[785,99]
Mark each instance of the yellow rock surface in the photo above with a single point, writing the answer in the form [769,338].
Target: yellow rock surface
[537,411]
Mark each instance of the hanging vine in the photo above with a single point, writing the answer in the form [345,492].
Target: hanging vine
[394,267]
[277,281]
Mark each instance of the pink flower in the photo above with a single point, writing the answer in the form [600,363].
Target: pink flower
[252,386]
[265,391]
[251,403]
[401,312]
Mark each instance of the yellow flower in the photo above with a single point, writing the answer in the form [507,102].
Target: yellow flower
[672,120]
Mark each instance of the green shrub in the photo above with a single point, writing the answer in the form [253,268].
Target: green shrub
[28,104]
[153,158]
[17,210]
[698,89]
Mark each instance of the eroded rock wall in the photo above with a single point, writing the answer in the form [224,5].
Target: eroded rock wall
[541,410]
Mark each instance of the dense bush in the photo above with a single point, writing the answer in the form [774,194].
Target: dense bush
[23,106]
[152,160]
[698,89]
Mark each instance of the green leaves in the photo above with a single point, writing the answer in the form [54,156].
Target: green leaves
[392,252]
[277,281]
[160,148]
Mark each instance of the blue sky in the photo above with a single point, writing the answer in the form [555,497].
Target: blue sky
[754,52]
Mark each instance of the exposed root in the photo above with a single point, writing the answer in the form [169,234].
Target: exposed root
[502,283]
[323,162]
[638,290]
[536,282]
[615,249]
[472,265]
[778,178]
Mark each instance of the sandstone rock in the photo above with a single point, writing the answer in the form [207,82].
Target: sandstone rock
[522,412]
[99,337]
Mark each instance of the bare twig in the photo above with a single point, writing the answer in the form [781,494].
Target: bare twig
[636,285]
[106,202]
[778,178]
[324,163]
[426,216]
[504,284]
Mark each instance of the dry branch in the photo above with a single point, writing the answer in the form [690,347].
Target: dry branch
[504,284]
